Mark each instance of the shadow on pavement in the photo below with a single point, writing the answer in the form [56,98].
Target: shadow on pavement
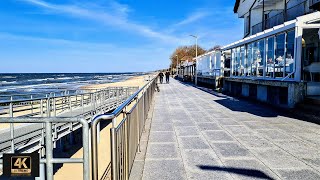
[241,171]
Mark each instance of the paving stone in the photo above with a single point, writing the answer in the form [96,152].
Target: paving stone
[192,143]
[164,169]
[275,135]
[226,121]
[239,130]
[230,150]
[218,136]
[253,141]
[162,136]
[162,150]
[208,126]
[299,174]
[195,158]
[162,127]
[187,131]
[209,174]
[277,158]
[184,123]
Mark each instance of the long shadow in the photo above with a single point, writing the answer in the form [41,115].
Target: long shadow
[241,171]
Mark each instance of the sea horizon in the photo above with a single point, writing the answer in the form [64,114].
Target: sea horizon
[33,83]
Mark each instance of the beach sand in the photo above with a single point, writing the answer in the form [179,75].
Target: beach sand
[74,171]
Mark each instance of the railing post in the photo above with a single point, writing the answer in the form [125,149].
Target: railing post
[31,97]
[54,107]
[11,127]
[41,107]
[49,153]
[48,108]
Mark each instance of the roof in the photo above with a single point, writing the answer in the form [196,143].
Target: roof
[236,6]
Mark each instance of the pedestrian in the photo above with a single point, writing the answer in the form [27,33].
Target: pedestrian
[167,77]
[161,77]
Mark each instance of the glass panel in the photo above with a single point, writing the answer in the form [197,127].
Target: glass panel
[260,58]
[270,58]
[255,56]
[233,53]
[249,59]
[242,63]
[238,70]
[290,53]
[279,63]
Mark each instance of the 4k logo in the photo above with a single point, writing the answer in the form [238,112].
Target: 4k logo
[21,165]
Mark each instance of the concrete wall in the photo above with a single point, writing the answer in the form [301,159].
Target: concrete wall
[287,95]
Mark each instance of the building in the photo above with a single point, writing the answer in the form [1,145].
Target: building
[210,69]
[278,61]
[260,15]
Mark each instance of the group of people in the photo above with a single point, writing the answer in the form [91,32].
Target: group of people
[167,74]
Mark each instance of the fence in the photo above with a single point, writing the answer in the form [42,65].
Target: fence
[125,135]
[53,104]
[48,139]
[29,138]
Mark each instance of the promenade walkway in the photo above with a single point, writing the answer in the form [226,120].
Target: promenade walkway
[196,135]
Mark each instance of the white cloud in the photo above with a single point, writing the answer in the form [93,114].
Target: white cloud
[117,20]
[192,18]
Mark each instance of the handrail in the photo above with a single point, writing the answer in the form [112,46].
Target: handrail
[111,116]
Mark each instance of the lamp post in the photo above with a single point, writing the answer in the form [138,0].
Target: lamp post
[196,76]
[177,64]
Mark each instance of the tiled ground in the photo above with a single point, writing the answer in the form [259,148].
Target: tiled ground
[197,135]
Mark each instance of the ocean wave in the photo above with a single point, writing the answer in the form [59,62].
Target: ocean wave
[3,90]
[6,82]
[65,78]
[8,77]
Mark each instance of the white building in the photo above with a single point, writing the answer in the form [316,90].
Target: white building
[260,15]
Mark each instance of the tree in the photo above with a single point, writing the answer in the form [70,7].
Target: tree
[216,47]
[184,53]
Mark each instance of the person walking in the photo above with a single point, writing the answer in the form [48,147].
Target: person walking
[167,77]
[161,77]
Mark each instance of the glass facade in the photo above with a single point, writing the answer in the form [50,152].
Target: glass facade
[271,57]
[209,65]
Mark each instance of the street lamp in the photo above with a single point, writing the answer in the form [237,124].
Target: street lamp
[177,64]
[196,76]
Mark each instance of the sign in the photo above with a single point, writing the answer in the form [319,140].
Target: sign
[21,165]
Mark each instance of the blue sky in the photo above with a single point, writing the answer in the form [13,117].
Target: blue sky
[108,35]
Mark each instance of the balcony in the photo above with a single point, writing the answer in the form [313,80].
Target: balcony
[314,4]
[290,14]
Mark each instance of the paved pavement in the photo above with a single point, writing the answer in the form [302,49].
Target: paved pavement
[197,135]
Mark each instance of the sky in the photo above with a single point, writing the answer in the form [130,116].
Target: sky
[89,36]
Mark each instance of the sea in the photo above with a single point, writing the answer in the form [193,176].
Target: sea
[42,83]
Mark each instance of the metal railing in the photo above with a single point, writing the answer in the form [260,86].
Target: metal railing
[274,20]
[48,138]
[54,105]
[29,137]
[125,135]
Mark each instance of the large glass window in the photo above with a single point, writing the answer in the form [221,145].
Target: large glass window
[249,59]
[290,53]
[255,57]
[280,50]
[242,61]
[270,65]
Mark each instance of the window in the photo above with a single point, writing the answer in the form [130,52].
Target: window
[238,64]
[280,49]
[255,58]
[242,61]
[260,58]
[249,59]
[233,59]
[247,25]
[270,64]
[290,53]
